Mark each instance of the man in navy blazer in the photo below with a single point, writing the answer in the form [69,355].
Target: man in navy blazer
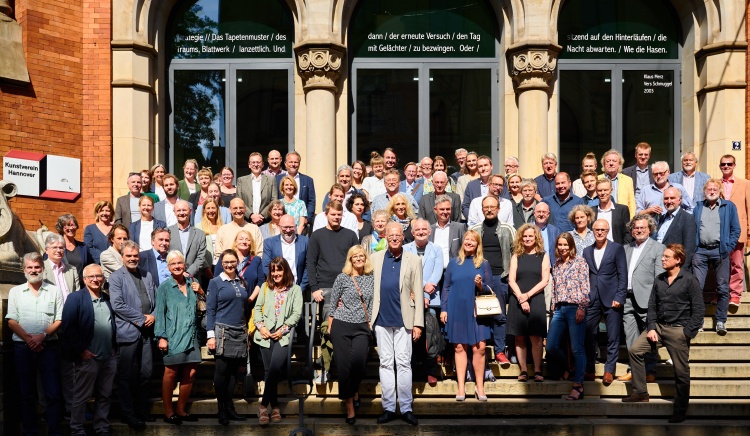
[305,184]
[275,247]
[608,273]
[691,180]
[477,187]
[132,298]
[677,226]
[154,261]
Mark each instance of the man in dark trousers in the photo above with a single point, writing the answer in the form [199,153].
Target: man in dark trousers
[608,272]
[675,315]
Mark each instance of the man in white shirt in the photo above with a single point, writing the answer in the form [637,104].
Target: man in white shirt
[348,220]
[504,214]
[257,190]
[164,210]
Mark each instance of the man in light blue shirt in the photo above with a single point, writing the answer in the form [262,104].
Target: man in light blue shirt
[651,198]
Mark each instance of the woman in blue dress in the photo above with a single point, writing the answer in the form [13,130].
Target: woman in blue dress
[465,277]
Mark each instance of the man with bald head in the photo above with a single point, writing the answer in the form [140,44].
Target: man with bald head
[274,164]
[427,202]
[561,202]
[676,226]
[292,247]
[226,234]
[189,240]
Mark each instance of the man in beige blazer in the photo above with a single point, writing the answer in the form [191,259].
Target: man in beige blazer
[56,271]
[397,320]
[736,190]
[257,190]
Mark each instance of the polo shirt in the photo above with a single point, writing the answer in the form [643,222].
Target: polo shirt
[389,314]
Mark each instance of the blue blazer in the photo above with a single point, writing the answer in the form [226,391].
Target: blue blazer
[126,303]
[272,248]
[305,191]
[730,230]
[418,189]
[77,329]
[159,213]
[700,180]
[552,234]
[473,190]
[252,275]
[432,268]
[95,241]
[147,265]
[610,282]
[135,228]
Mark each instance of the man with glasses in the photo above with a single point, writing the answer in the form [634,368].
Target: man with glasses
[460,155]
[650,199]
[257,190]
[88,340]
[512,165]
[690,179]
[292,247]
[57,272]
[126,207]
[608,273]
[718,232]
[504,212]
[34,316]
[736,190]
[391,182]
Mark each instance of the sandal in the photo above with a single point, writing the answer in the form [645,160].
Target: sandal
[538,377]
[578,389]
[276,415]
[263,418]
[523,377]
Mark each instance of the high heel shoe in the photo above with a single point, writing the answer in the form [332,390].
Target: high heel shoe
[578,389]
[352,420]
[460,397]
[479,397]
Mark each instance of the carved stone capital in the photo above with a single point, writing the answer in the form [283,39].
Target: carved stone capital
[533,66]
[319,64]
[5,10]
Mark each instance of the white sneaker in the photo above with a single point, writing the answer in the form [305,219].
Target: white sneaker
[320,378]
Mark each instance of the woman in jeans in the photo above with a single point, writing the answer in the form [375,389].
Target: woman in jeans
[226,301]
[277,311]
[570,297]
[348,325]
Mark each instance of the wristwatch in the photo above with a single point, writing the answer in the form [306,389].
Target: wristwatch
[45,335]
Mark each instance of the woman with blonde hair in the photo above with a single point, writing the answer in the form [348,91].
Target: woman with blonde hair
[359,171]
[400,211]
[95,235]
[197,198]
[249,266]
[349,325]
[514,188]
[158,172]
[210,223]
[527,314]
[189,184]
[466,276]
[293,206]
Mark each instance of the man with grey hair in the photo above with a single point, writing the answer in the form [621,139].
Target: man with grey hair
[512,165]
[190,241]
[34,316]
[133,302]
[126,207]
[344,178]
[622,186]
[523,211]
[57,272]
[460,154]
[545,182]
[690,179]
[427,202]
[650,199]
[676,226]
[643,257]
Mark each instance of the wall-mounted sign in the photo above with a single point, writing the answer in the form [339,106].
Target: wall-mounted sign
[232,29]
[45,176]
[736,145]
[634,29]
[423,29]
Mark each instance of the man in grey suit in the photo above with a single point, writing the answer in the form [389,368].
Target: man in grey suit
[191,242]
[446,233]
[126,207]
[397,321]
[256,189]
[56,271]
[132,298]
[643,256]
[427,202]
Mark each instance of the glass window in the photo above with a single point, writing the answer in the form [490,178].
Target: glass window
[648,113]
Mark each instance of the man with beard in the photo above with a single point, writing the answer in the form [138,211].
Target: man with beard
[34,316]
[290,246]
[133,303]
[164,210]
[718,231]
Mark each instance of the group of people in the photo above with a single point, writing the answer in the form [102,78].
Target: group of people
[204,259]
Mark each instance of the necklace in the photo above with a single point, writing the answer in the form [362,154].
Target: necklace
[237,291]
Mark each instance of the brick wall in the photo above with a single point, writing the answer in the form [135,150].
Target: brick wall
[66,109]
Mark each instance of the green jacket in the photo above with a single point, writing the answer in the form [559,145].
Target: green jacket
[264,310]
[505,233]
[182,189]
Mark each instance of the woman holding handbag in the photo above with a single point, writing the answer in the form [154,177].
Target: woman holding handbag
[226,302]
[276,314]
[465,277]
[527,317]
[349,325]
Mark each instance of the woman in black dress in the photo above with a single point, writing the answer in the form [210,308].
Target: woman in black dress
[527,317]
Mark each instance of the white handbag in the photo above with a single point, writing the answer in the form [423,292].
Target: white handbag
[487,305]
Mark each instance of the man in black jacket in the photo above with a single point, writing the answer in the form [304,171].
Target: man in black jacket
[677,226]
[675,314]
[616,214]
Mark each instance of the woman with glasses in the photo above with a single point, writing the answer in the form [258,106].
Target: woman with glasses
[95,235]
[140,231]
[376,240]
[277,312]
[176,330]
[76,252]
[226,304]
[226,182]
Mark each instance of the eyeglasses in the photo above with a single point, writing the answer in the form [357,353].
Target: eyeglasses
[726,164]
[56,248]
[94,277]
[659,174]
[229,262]
[601,230]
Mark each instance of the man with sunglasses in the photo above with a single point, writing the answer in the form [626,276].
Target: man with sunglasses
[736,190]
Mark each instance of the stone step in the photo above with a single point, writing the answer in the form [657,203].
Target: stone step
[592,407]
[733,323]
[743,310]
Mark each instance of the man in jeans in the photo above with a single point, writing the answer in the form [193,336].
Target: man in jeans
[675,314]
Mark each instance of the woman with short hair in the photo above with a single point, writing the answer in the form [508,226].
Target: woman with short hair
[581,216]
[140,230]
[275,210]
[76,252]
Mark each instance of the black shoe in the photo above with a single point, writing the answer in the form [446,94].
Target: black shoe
[146,418]
[174,420]
[352,420]
[356,402]
[674,419]
[387,416]
[232,414]
[135,423]
[188,418]
[409,418]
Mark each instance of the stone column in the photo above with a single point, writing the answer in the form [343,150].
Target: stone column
[12,61]
[533,69]
[319,65]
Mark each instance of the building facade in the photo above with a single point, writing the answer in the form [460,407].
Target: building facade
[125,84]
